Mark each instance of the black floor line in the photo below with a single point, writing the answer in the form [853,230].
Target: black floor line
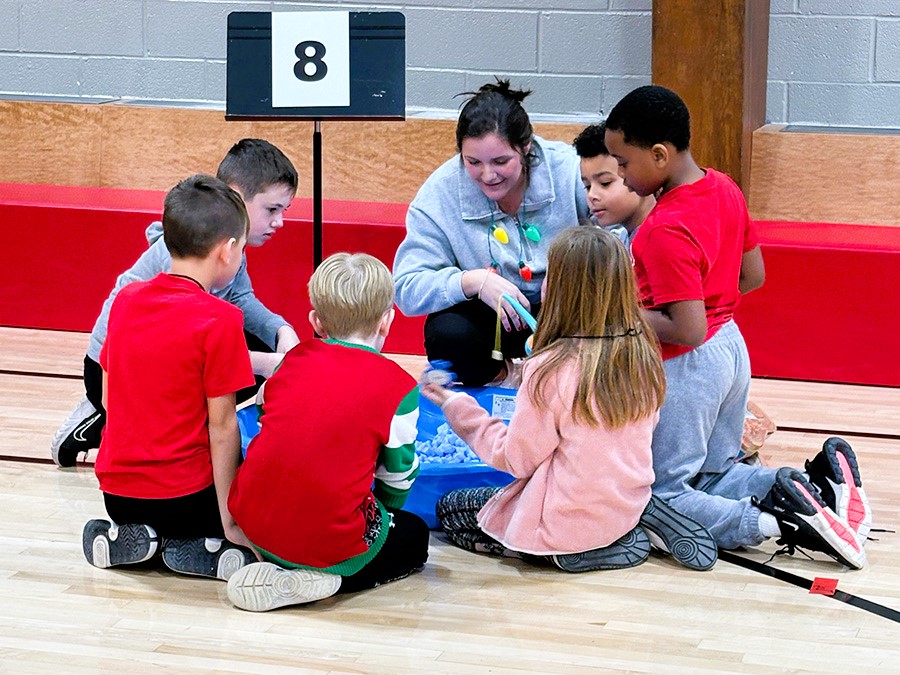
[29,373]
[842,432]
[781,575]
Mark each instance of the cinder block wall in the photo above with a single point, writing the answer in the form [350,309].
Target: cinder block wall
[831,62]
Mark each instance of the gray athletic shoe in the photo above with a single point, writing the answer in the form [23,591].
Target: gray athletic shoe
[263,586]
[628,551]
[683,537]
[212,558]
[106,544]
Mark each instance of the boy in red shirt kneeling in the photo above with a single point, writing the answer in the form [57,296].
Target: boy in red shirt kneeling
[695,254]
[173,359]
[337,417]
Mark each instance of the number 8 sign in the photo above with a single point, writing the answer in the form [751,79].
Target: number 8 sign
[310,59]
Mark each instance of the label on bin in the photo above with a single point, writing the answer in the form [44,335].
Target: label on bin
[503,406]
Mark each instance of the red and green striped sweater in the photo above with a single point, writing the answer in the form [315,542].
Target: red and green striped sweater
[335,449]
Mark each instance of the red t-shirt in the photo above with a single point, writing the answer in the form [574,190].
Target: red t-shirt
[303,492]
[170,347]
[691,246]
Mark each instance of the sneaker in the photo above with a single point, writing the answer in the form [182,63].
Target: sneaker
[262,586]
[684,538]
[79,433]
[212,558]
[836,473]
[627,551]
[106,544]
[807,522]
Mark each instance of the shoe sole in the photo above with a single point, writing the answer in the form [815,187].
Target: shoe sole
[851,502]
[686,539]
[627,551]
[833,530]
[131,544]
[260,587]
[191,556]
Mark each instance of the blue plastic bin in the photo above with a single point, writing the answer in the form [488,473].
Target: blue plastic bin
[434,479]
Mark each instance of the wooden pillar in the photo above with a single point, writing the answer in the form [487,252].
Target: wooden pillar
[714,54]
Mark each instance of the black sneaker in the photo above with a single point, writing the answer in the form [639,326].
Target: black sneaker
[262,586]
[836,473]
[682,537]
[106,544]
[628,551]
[807,522]
[79,433]
[213,558]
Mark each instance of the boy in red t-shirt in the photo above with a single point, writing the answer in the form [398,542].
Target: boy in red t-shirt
[321,489]
[694,255]
[621,210]
[173,359]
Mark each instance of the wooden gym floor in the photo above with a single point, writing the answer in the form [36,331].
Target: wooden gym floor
[464,613]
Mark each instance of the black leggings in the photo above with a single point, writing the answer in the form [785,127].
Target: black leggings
[93,385]
[464,336]
[457,514]
[190,517]
[404,551]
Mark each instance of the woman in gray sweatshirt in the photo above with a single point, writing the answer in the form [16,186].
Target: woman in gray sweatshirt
[480,228]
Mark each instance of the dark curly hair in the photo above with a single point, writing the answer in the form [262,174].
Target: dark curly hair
[650,115]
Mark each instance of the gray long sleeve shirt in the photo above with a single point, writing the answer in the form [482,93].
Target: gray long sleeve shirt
[448,229]
[258,320]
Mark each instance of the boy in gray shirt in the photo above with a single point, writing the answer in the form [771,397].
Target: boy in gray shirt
[267,181]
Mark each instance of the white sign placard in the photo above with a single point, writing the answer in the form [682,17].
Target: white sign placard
[310,59]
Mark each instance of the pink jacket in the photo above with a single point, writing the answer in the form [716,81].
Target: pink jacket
[578,487]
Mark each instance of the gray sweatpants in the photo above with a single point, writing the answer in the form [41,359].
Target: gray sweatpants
[698,439]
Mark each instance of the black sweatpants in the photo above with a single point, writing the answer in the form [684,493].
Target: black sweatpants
[190,517]
[404,551]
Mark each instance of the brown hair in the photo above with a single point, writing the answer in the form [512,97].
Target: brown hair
[200,212]
[591,313]
[254,165]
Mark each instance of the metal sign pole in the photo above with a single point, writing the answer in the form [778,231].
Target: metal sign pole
[317,193]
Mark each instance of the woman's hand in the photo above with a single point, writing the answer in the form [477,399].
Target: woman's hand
[490,289]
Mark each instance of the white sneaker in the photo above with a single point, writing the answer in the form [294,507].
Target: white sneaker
[79,433]
[262,586]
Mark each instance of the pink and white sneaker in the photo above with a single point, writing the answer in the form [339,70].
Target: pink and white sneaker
[835,472]
[807,522]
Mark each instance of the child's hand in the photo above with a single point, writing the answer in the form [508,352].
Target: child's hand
[436,380]
[285,339]
[436,393]
[265,363]
[236,535]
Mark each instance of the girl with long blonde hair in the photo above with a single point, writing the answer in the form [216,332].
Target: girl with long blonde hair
[578,443]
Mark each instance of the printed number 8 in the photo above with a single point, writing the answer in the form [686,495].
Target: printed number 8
[321,69]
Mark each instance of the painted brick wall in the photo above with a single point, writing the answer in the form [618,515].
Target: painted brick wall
[831,62]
